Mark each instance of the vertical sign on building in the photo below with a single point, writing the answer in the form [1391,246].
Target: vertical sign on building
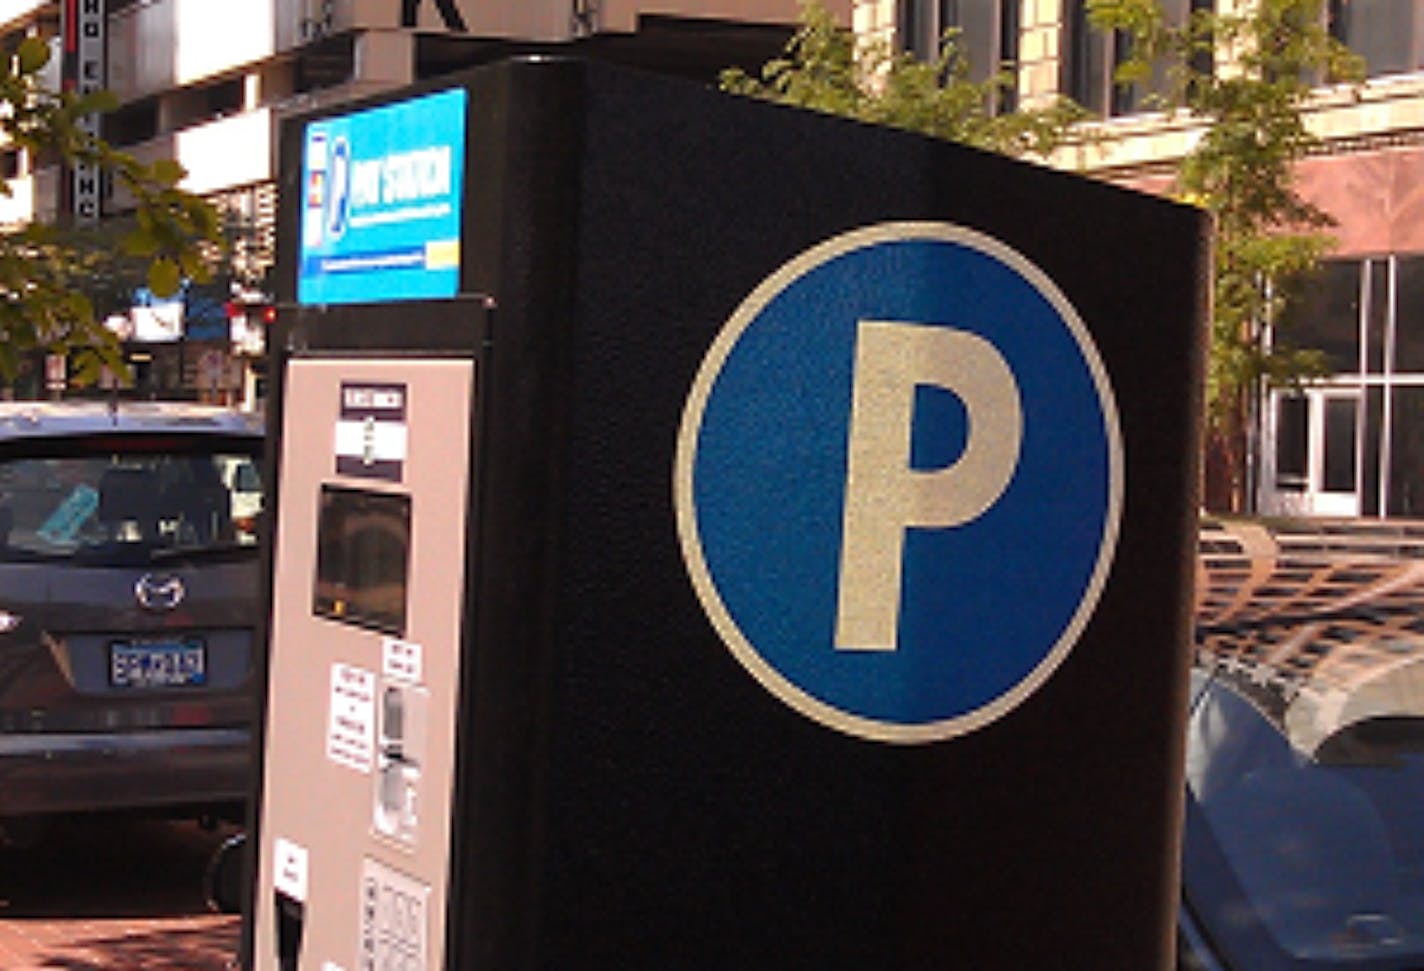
[84,74]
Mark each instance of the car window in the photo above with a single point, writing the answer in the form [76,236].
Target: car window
[118,502]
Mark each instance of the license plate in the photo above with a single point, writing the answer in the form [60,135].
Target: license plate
[158,664]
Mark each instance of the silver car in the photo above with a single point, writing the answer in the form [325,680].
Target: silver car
[128,597]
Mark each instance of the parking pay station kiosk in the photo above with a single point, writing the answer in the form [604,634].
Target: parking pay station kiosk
[711,535]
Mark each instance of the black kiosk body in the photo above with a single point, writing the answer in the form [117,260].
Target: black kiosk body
[712,535]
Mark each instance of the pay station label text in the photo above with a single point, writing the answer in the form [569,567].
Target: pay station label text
[371,431]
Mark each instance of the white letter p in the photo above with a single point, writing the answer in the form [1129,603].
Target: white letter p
[885,496]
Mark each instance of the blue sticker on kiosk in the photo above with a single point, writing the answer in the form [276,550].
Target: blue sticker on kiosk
[899,480]
[381,207]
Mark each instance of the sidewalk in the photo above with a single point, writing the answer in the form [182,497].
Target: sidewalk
[203,943]
[99,893]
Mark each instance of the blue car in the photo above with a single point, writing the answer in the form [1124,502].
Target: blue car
[1304,830]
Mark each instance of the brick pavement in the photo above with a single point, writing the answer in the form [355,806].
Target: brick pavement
[195,943]
[99,894]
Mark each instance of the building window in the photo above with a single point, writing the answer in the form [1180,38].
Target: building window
[1386,33]
[1377,302]
[1292,436]
[1339,443]
[1324,315]
[1357,432]
[224,98]
[1409,314]
[133,123]
[1091,58]
[1406,465]
[326,63]
[988,34]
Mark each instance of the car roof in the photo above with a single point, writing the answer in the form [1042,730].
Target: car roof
[50,419]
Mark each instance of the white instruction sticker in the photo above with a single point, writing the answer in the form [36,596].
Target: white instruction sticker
[394,917]
[289,869]
[402,661]
[351,717]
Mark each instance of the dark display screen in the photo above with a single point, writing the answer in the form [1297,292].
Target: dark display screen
[363,558]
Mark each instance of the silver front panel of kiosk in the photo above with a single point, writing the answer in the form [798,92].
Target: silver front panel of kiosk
[369,580]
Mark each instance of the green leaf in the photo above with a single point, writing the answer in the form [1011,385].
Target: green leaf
[94,102]
[78,308]
[825,68]
[139,243]
[168,171]
[164,277]
[87,369]
[193,266]
[32,55]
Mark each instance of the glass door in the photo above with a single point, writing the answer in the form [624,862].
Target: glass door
[1335,480]
[1314,468]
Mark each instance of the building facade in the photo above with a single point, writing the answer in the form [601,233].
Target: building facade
[209,83]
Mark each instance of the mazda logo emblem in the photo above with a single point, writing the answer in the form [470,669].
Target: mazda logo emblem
[159,592]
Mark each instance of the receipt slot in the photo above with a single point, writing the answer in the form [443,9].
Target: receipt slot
[713,535]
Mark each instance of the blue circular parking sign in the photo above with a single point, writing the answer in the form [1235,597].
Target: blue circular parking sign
[899,481]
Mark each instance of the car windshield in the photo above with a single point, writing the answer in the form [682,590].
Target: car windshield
[1304,841]
[131,501]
